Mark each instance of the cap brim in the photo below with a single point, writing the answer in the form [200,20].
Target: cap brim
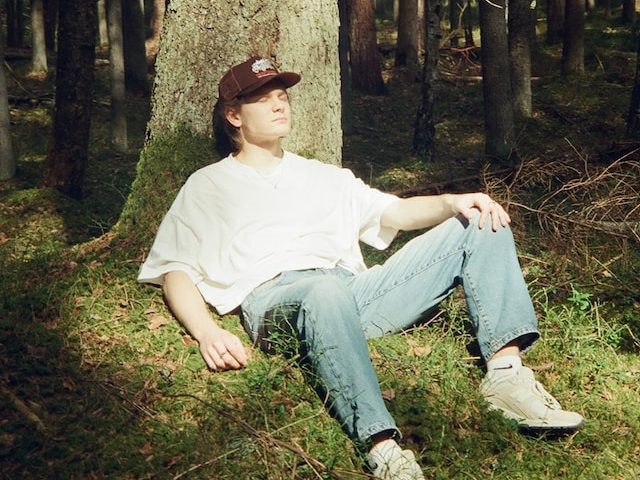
[288,79]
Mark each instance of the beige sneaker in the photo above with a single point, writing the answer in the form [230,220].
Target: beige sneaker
[522,398]
[388,461]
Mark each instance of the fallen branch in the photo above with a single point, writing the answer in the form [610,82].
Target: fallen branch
[24,409]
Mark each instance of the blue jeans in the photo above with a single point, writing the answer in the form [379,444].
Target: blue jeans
[333,312]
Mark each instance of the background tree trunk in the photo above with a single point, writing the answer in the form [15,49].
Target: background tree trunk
[38,43]
[152,43]
[468,26]
[15,23]
[496,83]
[103,27]
[573,40]
[423,139]
[455,21]
[345,69]
[410,45]
[68,148]
[118,91]
[7,160]
[50,23]
[633,118]
[366,73]
[135,58]
[629,11]
[555,20]
[520,24]
[196,51]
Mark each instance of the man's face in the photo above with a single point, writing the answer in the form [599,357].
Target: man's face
[264,115]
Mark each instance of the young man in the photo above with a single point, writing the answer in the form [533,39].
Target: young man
[277,234]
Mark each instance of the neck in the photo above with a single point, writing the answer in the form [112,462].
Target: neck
[260,157]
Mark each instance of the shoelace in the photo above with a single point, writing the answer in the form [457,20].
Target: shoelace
[549,401]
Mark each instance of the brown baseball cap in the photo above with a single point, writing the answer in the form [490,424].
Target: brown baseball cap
[250,75]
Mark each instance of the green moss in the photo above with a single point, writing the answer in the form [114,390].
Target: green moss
[164,166]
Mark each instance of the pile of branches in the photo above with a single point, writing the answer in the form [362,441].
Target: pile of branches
[571,198]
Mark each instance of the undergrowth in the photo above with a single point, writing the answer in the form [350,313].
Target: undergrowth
[99,381]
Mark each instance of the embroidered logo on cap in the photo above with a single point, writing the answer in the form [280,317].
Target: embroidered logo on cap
[263,68]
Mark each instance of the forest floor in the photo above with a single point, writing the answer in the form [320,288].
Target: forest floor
[97,380]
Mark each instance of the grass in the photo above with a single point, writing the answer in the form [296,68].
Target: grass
[97,380]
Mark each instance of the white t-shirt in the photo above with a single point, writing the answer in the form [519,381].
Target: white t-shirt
[232,228]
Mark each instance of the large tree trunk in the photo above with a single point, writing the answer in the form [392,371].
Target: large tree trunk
[410,45]
[116,59]
[194,54]
[38,43]
[135,58]
[152,43]
[196,51]
[68,147]
[366,73]
[520,23]
[555,21]
[423,139]
[7,160]
[468,26]
[496,83]
[573,40]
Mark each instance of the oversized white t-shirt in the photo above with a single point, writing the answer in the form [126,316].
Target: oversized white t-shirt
[232,228]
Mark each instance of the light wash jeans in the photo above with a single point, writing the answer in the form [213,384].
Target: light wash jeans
[332,312]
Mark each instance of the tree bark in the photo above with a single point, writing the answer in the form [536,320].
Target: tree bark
[496,83]
[455,21]
[633,118]
[135,58]
[411,31]
[196,51]
[366,72]
[345,69]
[152,43]
[38,44]
[68,147]
[103,27]
[468,26]
[423,139]
[628,11]
[573,41]
[520,23]
[118,91]
[7,159]
[555,21]
[15,23]
[50,23]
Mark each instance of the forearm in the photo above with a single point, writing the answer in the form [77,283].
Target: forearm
[418,212]
[186,303]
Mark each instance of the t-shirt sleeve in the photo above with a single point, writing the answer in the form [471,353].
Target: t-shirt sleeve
[175,248]
[370,204]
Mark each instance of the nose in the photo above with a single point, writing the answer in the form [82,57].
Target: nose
[277,105]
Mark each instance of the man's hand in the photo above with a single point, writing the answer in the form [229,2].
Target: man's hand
[222,350]
[465,203]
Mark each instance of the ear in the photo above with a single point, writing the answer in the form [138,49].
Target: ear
[232,116]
